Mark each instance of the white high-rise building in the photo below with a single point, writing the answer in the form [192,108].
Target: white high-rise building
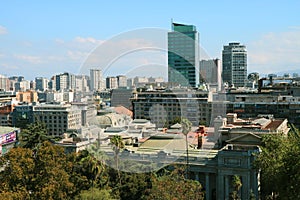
[122,81]
[41,84]
[82,83]
[111,82]
[22,85]
[96,79]
[65,81]
[210,72]
[234,59]
[4,83]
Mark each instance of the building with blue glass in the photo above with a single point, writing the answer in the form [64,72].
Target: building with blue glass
[183,55]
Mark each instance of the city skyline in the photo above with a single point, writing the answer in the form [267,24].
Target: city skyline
[42,39]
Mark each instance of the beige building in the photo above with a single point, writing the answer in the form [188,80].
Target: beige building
[28,96]
[233,130]
[59,118]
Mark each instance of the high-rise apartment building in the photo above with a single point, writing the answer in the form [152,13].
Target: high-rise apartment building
[96,79]
[65,81]
[41,84]
[22,85]
[82,83]
[210,72]
[4,83]
[183,55]
[111,82]
[234,60]
[122,81]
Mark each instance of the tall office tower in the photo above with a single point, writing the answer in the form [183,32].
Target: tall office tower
[210,72]
[96,79]
[22,86]
[234,59]
[82,83]
[183,55]
[4,83]
[122,81]
[65,81]
[111,82]
[41,84]
[32,85]
[52,83]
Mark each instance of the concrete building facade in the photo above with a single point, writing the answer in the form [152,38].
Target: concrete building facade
[59,118]
[210,72]
[96,79]
[163,106]
[234,63]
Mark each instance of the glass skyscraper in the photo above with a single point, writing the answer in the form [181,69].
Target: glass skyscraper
[183,55]
[234,60]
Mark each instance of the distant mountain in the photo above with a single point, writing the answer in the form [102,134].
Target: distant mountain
[288,72]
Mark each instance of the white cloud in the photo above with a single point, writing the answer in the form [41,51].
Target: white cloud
[77,55]
[10,67]
[30,59]
[59,41]
[275,52]
[88,40]
[3,30]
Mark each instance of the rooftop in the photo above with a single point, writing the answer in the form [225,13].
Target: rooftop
[6,129]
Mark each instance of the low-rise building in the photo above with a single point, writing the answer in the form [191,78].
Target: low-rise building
[233,130]
[75,144]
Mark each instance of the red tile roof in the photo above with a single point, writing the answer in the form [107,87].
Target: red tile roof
[274,124]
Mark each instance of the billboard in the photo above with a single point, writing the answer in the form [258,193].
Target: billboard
[8,137]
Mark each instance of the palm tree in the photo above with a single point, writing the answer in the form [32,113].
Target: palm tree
[186,128]
[91,166]
[118,144]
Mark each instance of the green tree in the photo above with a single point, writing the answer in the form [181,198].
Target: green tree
[118,144]
[236,184]
[17,176]
[44,174]
[134,185]
[33,136]
[270,162]
[95,194]
[174,187]
[186,128]
[91,167]
[279,163]
[176,120]
[52,180]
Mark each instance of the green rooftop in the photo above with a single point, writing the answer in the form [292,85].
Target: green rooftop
[183,27]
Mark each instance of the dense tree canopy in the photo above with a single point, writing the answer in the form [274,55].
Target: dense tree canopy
[38,169]
[174,186]
[37,176]
[279,162]
[34,135]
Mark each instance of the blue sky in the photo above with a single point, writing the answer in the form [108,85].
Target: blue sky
[42,38]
